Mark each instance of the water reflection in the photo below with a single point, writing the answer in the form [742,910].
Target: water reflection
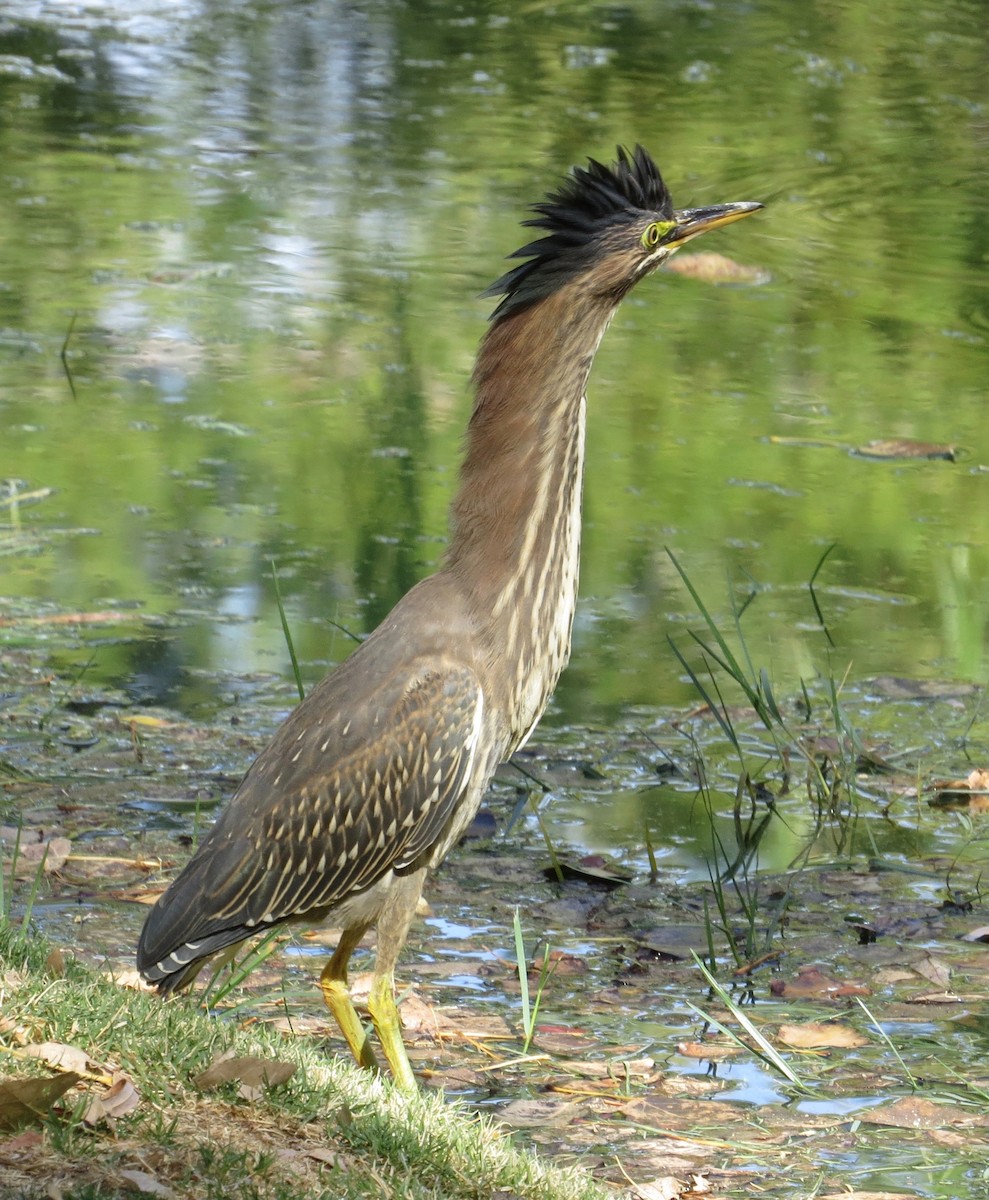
[270,226]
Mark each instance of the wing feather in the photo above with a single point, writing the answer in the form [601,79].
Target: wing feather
[323,814]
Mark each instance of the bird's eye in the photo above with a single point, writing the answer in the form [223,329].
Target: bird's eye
[654,232]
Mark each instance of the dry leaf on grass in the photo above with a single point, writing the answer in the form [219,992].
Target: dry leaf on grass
[30,1139]
[147,1185]
[63,1057]
[119,1099]
[26,1101]
[813,1035]
[253,1074]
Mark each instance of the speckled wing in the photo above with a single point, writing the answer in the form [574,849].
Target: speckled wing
[308,836]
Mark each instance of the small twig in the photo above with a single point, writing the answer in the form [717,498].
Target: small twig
[64,357]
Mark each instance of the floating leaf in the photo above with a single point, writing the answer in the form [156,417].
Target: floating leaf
[52,852]
[914,1112]
[708,1051]
[972,792]
[934,970]
[905,448]
[813,1035]
[810,983]
[715,268]
[592,870]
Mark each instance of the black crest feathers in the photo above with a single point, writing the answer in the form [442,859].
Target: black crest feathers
[591,199]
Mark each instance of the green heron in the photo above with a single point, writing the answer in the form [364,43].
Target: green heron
[380,770]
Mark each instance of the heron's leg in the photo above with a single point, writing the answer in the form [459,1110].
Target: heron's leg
[333,983]
[393,926]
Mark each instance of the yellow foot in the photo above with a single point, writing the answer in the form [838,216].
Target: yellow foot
[342,1007]
[388,1026]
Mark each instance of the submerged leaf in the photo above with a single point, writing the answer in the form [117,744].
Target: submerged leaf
[539,1114]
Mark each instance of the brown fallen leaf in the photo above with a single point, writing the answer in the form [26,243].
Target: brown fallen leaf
[252,1073]
[27,1101]
[668,1187]
[30,1139]
[869,1196]
[119,1099]
[905,448]
[934,970]
[914,1112]
[812,1035]
[971,792]
[710,1051]
[810,983]
[592,870]
[147,1185]
[615,1068]
[61,1057]
[558,962]
[51,853]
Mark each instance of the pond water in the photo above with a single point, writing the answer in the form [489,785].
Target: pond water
[261,233]
[242,249]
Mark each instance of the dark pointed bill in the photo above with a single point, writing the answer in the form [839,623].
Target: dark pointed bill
[692,221]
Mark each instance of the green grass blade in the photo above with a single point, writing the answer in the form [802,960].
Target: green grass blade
[765,1050]
[813,594]
[287,633]
[523,972]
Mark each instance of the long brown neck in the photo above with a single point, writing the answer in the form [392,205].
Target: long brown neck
[515,536]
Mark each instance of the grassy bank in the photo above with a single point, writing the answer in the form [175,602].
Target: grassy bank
[329,1130]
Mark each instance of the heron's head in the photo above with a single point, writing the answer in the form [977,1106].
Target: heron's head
[607,227]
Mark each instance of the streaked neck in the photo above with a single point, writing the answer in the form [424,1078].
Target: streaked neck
[515,536]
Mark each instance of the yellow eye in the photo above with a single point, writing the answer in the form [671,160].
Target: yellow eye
[654,232]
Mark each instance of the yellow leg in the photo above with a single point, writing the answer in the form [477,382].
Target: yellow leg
[388,1026]
[333,983]
[393,925]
